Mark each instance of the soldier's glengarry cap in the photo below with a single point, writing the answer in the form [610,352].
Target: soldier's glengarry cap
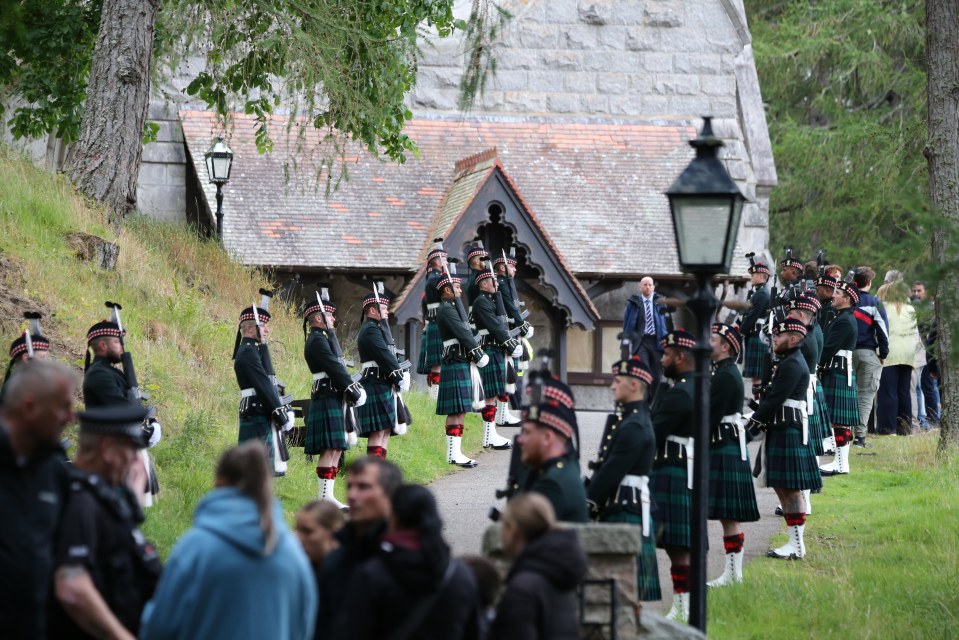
[850,290]
[793,263]
[370,300]
[104,328]
[328,307]
[826,281]
[247,314]
[19,346]
[759,267]
[680,338]
[120,421]
[507,259]
[730,334]
[485,275]
[790,324]
[447,280]
[806,302]
[635,368]
[474,251]
[556,409]
[437,251]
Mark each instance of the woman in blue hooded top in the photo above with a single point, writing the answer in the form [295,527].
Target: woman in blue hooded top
[239,572]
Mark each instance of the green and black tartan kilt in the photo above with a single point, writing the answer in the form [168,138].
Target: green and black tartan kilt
[753,357]
[431,349]
[494,373]
[325,427]
[789,463]
[674,503]
[732,495]
[257,427]
[841,398]
[818,421]
[456,389]
[378,413]
[647,569]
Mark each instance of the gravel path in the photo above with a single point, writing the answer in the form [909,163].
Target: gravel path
[465,498]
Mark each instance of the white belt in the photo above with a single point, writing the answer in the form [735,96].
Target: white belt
[368,364]
[846,355]
[433,305]
[801,405]
[451,343]
[482,332]
[687,444]
[319,376]
[736,419]
[247,393]
[642,484]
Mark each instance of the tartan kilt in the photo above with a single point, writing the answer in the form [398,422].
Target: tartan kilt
[431,349]
[378,413]
[456,389]
[789,463]
[819,427]
[325,425]
[732,495]
[647,568]
[257,427]
[674,504]
[753,357]
[841,400]
[494,373]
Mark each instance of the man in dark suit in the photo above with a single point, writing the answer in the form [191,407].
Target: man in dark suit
[644,317]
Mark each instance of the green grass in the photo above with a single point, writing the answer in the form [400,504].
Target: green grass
[883,557]
[181,296]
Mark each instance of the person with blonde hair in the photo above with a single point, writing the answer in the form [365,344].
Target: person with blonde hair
[239,572]
[549,563]
[894,408]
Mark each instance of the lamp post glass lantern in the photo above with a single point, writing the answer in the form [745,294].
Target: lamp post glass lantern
[219,162]
[706,206]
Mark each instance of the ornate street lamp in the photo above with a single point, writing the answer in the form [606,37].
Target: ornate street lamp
[219,161]
[706,206]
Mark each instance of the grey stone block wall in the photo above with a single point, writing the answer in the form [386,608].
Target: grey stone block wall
[161,188]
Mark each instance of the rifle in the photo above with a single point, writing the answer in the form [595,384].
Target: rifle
[821,262]
[135,394]
[283,454]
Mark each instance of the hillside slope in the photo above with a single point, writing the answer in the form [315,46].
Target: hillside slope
[181,297]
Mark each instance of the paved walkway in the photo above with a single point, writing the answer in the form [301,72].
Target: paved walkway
[465,499]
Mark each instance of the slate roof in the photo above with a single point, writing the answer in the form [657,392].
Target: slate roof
[596,185]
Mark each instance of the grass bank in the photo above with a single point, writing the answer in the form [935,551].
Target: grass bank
[883,556]
[181,296]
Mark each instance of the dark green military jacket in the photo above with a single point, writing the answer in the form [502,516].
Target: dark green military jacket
[841,334]
[320,358]
[791,381]
[250,374]
[826,314]
[673,411]
[104,384]
[472,289]
[484,317]
[512,309]
[430,294]
[628,448]
[726,392]
[759,307]
[560,482]
[372,347]
[452,327]
[811,347]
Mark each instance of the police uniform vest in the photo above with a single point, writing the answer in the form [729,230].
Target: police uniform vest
[100,532]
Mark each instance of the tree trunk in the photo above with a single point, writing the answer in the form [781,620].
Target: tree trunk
[942,153]
[105,161]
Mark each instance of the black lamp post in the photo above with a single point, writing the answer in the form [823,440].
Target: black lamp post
[219,161]
[705,205]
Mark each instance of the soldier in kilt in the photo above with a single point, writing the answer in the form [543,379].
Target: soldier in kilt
[839,376]
[505,267]
[499,346]
[732,497]
[333,389]
[825,287]
[260,404]
[459,383]
[753,322]
[382,378]
[671,482]
[784,462]
[431,346]
[618,490]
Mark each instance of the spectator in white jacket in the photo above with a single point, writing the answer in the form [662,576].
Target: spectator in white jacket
[894,408]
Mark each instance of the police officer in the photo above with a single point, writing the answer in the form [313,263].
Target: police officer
[671,482]
[494,337]
[33,490]
[732,498]
[619,487]
[547,449]
[105,569]
[431,346]
[332,390]
[260,404]
[382,378]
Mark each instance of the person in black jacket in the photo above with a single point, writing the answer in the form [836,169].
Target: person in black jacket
[540,598]
[755,350]
[839,375]
[421,592]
